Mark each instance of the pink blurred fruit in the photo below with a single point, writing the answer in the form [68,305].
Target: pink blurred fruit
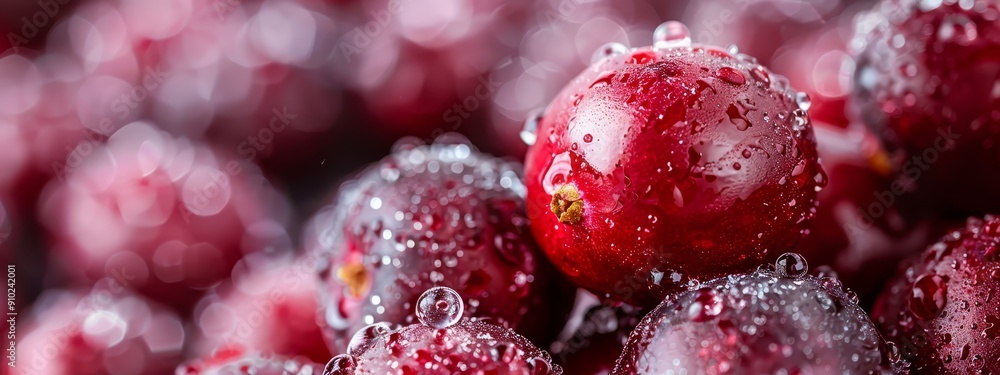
[165,216]
[926,82]
[942,307]
[106,331]
[269,306]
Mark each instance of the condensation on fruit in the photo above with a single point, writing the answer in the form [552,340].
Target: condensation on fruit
[443,343]
[440,307]
[941,308]
[647,136]
[759,323]
[439,215]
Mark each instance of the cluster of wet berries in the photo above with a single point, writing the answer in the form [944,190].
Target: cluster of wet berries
[669,201]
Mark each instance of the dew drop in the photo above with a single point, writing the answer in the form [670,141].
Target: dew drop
[603,80]
[799,168]
[707,304]
[802,99]
[671,34]
[342,364]
[539,366]
[503,352]
[893,351]
[678,197]
[737,119]
[365,338]
[928,296]
[977,361]
[731,75]
[831,282]
[608,50]
[440,307]
[992,331]
[799,121]
[792,265]
[642,57]
[760,74]
[825,301]
[587,138]
[529,132]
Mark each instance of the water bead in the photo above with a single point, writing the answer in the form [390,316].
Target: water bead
[529,132]
[440,307]
[366,337]
[608,50]
[791,265]
[671,34]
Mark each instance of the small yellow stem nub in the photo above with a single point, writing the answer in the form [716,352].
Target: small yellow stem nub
[355,277]
[567,205]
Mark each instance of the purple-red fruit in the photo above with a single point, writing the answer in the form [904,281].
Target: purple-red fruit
[942,310]
[771,321]
[659,166]
[926,81]
[434,215]
[163,215]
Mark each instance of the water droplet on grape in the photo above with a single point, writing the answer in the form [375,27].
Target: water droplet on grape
[671,34]
[608,50]
[825,301]
[893,351]
[760,74]
[792,265]
[731,75]
[504,352]
[707,305]
[529,133]
[802,99]
[440,307]
[365,338]
[928,296]
[342,364]
[539,366]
